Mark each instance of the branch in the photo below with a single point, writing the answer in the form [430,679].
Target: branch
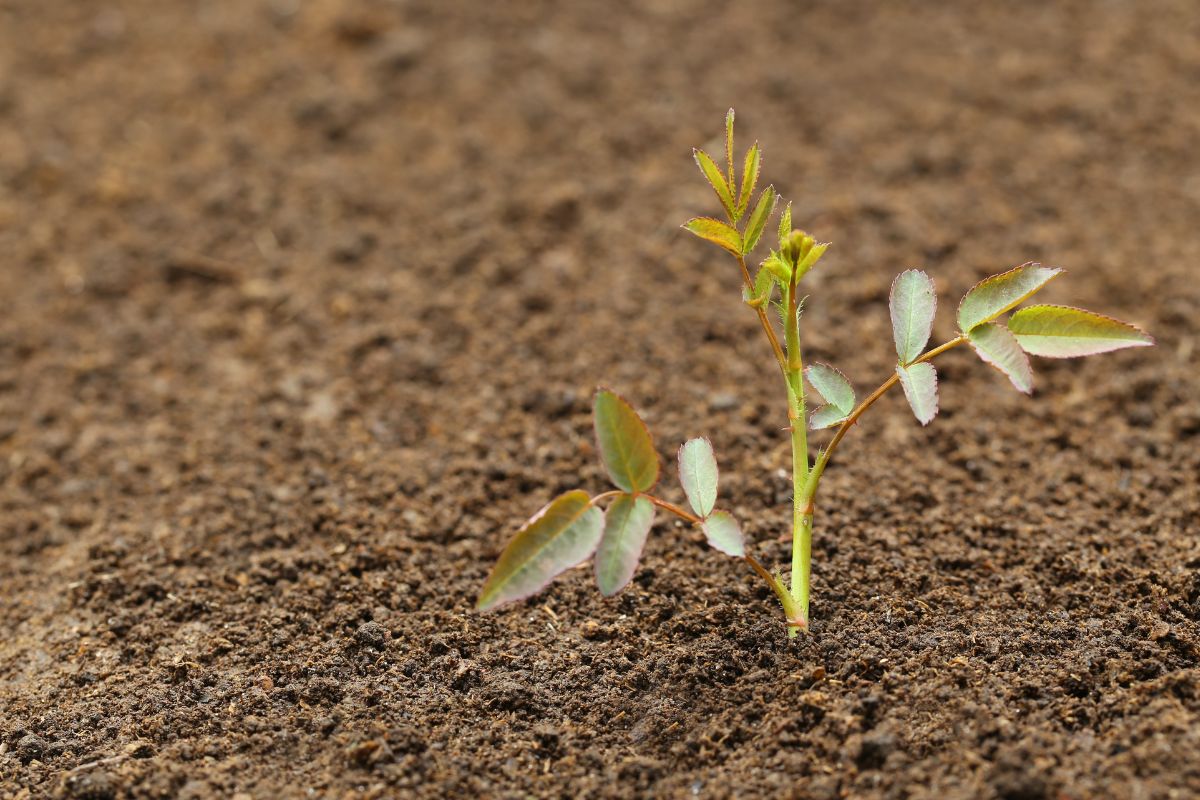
[844,428]
[764,320]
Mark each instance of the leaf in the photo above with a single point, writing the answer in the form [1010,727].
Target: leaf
[826,417]
[625,444]
[996,346]
[764,282]
[912,303]
[729,144]
[715,179]
[750,172]
[723,534]
[785,223]
[832,385]
[993,296]
[807,263]
[626,526]
[716,232]
[920,387]
[779,268]
[1064,332]
[560,536]
[758,219]
[698,475]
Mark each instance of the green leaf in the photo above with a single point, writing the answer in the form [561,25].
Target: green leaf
[996,346]
[723,534]
[758,219]
[785,223]
[826,417]
[778,267]
[716,232]
[832,385]
[1064,332]
[698,475]
[750,172]
[993,296]
[715,179]
[764,282]
[810,260]
[560,536]
[626,526]
[920,388]
[913,302]
[729,144]
[625,444]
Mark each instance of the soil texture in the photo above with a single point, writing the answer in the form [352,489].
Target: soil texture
[303,307]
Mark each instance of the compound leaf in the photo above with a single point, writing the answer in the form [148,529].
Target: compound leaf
[750,172]
[625,445]
[826,417]
[715,179]
[832,385]
[560,536]
[698,475]
[996,346]
[724,534]
[993,296]
[1064,332]
[626,526]
[920,388]
[758,219]
[913,302]
[716,232]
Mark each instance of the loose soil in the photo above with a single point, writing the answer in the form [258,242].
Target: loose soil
[303,307]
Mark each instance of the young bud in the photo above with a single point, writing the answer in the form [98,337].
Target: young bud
[796,247]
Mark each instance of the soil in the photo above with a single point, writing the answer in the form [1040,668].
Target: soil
[303,307]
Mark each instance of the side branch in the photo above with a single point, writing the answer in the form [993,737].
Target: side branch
[844,428]
[791,609]
[763,319]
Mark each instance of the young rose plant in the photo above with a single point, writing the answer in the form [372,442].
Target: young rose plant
[613,525]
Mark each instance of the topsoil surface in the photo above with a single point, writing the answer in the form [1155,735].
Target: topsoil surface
[303,305]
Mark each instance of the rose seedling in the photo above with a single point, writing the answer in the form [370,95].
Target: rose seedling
[612,526]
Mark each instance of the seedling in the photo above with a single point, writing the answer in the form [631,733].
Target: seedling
[573,527]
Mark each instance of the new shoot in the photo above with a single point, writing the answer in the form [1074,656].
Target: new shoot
[613,526]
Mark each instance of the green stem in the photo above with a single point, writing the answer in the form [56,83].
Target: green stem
[801,505]
[823,458]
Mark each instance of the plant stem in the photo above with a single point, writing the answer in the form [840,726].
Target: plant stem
[791,363]
[763,319]
[674,509]
[798,424]
[844,428]
[790,608]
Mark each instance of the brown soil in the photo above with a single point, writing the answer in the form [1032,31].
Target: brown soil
[303,306]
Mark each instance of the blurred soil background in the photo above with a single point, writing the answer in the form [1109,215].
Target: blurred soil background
[303,304]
